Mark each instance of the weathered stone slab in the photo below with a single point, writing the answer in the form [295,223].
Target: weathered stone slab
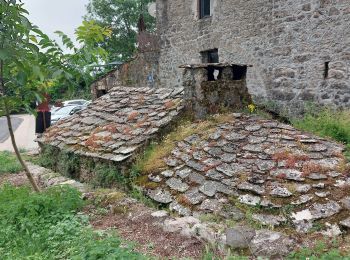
[160,196]
[245,186]
[269,220]
[271,244]
[249,200]
[280,192]
[239,237]
[324,210]
[177,184]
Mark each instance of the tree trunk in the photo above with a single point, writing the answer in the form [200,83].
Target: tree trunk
[18,154]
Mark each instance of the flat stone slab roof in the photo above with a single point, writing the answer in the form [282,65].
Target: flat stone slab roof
[260,163]
[118,124]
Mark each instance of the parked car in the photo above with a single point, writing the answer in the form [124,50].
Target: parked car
[75,102]
[64,112]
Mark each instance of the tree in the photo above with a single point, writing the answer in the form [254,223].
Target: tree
[21,74]
[30,63]
[78,66]
[122,16]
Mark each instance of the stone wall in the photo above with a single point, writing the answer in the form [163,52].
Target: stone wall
[299,49]
[205,95]
[141,71]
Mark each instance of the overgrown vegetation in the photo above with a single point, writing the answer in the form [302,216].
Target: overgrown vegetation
[9,163]
[153,157]
[319,251]
[45,226]
[329,123]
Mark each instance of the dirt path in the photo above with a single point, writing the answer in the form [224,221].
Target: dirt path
[134,222]
[17,180]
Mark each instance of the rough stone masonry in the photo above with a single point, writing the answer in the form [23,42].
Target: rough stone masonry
[299,49]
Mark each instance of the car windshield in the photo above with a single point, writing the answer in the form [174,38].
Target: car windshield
[76,102]
[64,111]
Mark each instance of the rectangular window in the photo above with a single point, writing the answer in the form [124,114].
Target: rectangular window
[210,56]
[204,8]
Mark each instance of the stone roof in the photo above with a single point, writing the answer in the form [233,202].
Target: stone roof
[258,162]
[118,124]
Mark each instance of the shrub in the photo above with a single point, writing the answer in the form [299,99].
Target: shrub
[107,176]
[68,164]
[9,163]
[45,226]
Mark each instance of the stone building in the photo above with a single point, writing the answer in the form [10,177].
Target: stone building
[213,56]
[299,49]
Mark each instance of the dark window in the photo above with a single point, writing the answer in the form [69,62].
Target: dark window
[326,69]
[101,92]
[210,56]
[239,72]
[204,8]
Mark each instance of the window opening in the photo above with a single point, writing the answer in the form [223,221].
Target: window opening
[326,69]
[204,8]
[210,56]
[101,92]
[239,72]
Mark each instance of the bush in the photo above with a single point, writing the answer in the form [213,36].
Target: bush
[107,176]
[46,226]
[9,163]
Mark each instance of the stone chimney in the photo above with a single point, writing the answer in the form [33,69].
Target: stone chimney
[215,88]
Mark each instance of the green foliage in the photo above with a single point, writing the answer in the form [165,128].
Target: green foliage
[318,252]
[107,176]
[122,17]
[9,163]
[76,69]
[68,164]
[48,157]
[32,64]
[22,75]
[327,123]
[45,226]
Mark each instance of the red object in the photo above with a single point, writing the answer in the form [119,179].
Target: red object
[44,105]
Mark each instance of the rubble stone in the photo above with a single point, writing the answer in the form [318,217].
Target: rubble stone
[239,237]
[160,196]
[271,244]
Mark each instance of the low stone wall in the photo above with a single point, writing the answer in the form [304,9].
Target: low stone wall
[94,171]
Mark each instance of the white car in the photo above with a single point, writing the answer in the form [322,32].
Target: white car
[75,102]
[64,112]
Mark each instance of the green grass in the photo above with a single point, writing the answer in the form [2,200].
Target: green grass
[9,163]
[47,226]
[327,123]
[319,252]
